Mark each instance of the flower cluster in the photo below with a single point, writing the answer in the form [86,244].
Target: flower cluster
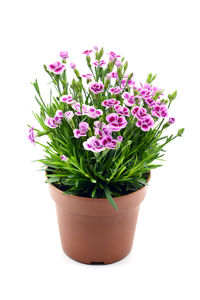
[99,113]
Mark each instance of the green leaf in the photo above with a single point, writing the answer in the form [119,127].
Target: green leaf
[109,197]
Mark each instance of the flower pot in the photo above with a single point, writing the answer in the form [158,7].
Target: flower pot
[91,230]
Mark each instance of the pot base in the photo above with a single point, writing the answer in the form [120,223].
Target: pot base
[89,262]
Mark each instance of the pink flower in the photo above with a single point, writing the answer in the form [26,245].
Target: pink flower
[100,63]
[159,111]
[122,110]
[69,114]
[145,123]
[171,120]
[63,157]
[139,112]
[126,96]
[64,54]
[93,112]
[112,56]
[93,144]
[111,118]
[87,52]
[115,90]
[120,138]
[110,102]
[96,87]
[58,117]
[87,76]
[83,128]
[150,102]
[118,63]
[59,114]
[72,65]
[57,67]
[77,107]
[31,135]
[50,122]
[102,130]
[129,99]
[96,48]
[67,99]
[108,142]
[112,75]
[116,123]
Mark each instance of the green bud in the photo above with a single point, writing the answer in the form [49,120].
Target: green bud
[172,96]
[88,59]
[125,66]
[149,78]
[101,53]
[180,131]
[77,73]
[166,125]
[119,72]
[130,76]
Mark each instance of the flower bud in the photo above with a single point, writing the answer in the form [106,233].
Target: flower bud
[180,131]
[72,65]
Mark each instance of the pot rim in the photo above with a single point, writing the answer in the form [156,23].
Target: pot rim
[115,198]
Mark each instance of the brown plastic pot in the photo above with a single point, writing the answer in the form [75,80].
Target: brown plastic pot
[92,231]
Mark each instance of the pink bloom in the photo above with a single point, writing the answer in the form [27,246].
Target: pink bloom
[59,113]
[83,128]
[122,110]
[102,130]
[145,123]
[115,90]
[108,142]
[93,112]
[87,52]
[57,67]
[67,99]
[110,102]
[96,48]
[123,82]
[126,96]
[139,112]
[112,56]
[97,124]
[131,83]
[77,107]
[63,157]
[72,65]
[58,116]
[100,63]
[50,122]
[31,135]
[171,120]
[120,138]
[118,63]
[129,99]
[159,111]
[116,123]
[112,75]
[69,114]
[150,102]
[93,144]
[64,54]
[111,118]
[87,76]
[96,87]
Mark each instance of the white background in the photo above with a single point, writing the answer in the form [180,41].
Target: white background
[155,36]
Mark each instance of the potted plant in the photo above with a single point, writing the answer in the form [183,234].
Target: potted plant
[105,133]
